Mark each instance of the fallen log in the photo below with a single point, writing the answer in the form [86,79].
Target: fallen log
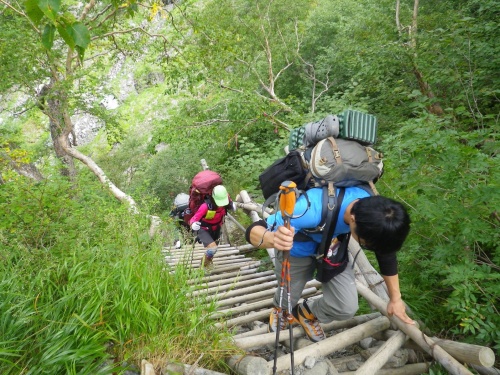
[245,198]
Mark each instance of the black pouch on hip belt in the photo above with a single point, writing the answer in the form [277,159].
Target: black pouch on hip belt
[334,261]
[332,256]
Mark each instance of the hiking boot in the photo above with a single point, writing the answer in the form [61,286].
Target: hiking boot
[285,320]
[207,262]
[308,321]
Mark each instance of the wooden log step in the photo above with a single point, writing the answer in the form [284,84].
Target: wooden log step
[333,343]
[228,275]
[265,304]
[238,264]
[413,369]
[218,260]
[242,266]
[237,279]
[335,325]
[228,292]
[199,252]
[263,294]
[383,354]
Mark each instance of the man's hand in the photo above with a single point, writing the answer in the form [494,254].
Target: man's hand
[398,308]
[283,238]
[196,226]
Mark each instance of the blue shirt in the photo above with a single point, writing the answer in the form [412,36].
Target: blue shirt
[308,218]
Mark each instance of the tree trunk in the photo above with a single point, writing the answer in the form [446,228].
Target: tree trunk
[425,89]
[60,127]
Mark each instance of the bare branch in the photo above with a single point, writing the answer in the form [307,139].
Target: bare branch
[120,195]
[221,84]
[87,9]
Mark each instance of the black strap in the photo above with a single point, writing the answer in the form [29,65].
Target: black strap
[330,224]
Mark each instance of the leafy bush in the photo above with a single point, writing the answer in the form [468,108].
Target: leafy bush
[454,250]
[84,289]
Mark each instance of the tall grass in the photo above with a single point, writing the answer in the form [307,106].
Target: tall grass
[84,290]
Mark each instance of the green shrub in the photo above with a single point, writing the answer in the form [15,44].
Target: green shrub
[454,249]
[84,289]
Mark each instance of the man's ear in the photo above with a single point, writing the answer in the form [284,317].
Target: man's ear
[352,219]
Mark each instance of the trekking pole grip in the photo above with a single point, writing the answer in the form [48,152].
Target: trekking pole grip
[288,198]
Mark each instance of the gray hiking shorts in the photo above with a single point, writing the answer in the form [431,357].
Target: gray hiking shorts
[207,236]
[339,300]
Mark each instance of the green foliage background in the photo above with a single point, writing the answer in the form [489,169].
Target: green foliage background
[235,77]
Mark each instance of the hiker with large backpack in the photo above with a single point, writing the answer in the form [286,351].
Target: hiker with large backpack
[378,223]
[340,205]
[208,219]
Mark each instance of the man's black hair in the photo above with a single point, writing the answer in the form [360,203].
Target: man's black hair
[382,223]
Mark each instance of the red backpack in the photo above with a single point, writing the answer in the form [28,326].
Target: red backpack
[201,188]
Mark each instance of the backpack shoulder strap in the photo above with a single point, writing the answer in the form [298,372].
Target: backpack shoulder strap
[369,187]
[327,204]
[208,201]
[331,223]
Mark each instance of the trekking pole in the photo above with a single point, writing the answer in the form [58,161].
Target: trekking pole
[287,199]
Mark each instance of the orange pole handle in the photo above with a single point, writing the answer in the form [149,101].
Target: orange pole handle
[288,197]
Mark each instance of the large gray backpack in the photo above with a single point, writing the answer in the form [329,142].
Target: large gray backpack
[343,162]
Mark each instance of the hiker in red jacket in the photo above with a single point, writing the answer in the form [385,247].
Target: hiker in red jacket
[208,220]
